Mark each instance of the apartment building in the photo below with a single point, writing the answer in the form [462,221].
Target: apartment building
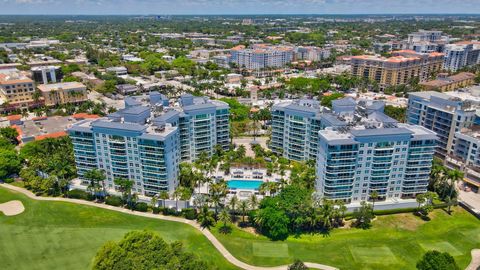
[462,54]
[62,93]
[147,140]
[399,69]
[372,152]
[295,124]
[311,53]
[466,156]
[445,83]
[261,56]
[16,90]
[203,124]
[443,113]
[428,36]
[47,74]
[147,154]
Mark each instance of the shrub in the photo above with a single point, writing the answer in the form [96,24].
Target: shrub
[169,212]
[8,180]
[141,206]
[80,194]
[189,213]
[156,210]
[114,201]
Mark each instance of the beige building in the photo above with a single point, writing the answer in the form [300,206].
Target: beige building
[399,69]
[16,90]
[62,93]
[445,83]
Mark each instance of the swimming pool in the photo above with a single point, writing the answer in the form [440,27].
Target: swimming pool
[244,184]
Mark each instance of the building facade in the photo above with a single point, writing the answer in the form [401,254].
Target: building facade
[63,93]
[392,159]
[203,125]
[443,113]
[147,155]
[146,141]
[401,68]
[461,55]
[47,74]
[261,56]
[445,83]
[17,90]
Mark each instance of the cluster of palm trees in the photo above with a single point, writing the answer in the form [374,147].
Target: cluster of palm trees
[443,182]
[49,165]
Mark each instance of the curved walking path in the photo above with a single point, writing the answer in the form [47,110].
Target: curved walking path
[225,253]
[475,263]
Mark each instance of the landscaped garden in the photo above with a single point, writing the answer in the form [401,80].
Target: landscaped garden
[58,235]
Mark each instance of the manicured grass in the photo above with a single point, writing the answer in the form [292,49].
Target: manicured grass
[272,250]
[58,235]
[394,242]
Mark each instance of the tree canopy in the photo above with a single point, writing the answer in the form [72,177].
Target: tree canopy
[142,250]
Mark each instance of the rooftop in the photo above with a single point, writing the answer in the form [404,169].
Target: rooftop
[58,86]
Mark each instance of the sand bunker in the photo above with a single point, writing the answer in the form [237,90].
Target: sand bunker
[12,208]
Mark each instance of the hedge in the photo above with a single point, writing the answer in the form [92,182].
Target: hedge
[114,201]
[189,213]
[141,206]
[80,194]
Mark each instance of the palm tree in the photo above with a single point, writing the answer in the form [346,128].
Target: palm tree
[176,196]
[253,201]
[243,209]
[205,217]
[454,176]
[233,203]
[224,217]
[125,186]
[326,213]
[374,197]
[164,196]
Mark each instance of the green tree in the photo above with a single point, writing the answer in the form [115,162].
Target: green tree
[145,250]
[435,260]
[205,217]
[363,215]
[10,163]
[273,223]
[225,218]
[297,265]
[125,186]
[10,134]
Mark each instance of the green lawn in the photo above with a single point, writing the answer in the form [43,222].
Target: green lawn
[57,235]
[394,242]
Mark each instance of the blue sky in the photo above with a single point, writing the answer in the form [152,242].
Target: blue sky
[237,6]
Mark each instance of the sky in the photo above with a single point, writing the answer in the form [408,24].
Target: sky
[205,7]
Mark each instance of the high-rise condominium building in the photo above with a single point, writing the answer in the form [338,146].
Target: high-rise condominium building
[295,125]
[443,113]
[261,56]
[145,142]
[401,68]
[461,55]
[428,36]
[372,152]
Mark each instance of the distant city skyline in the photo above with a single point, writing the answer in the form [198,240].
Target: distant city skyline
[240,7]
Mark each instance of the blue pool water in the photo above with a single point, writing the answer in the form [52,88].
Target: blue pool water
[244,184]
